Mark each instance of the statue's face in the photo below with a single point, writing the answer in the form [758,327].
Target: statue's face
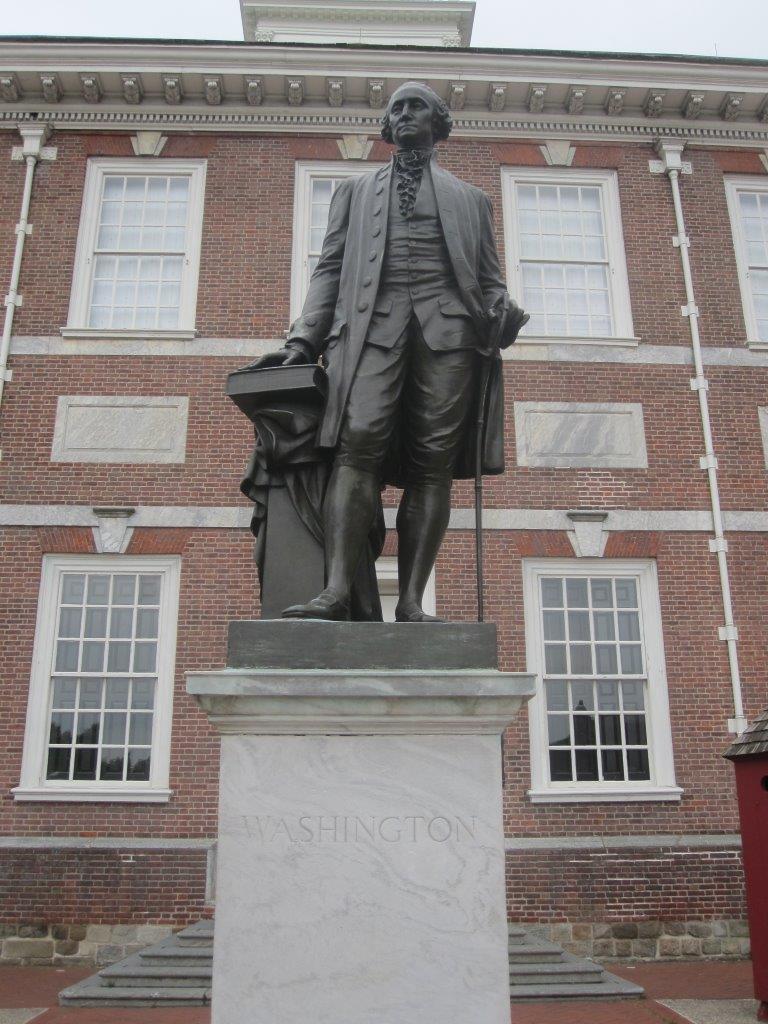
[410,119]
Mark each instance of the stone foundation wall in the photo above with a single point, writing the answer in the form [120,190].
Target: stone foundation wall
[649,940]
[97,945]
[72,945]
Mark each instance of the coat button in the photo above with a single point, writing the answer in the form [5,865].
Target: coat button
[372,255]
[310,321]
[376,232]
[362,306]
[367,282]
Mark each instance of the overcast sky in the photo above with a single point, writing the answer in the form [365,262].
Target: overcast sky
[725,28]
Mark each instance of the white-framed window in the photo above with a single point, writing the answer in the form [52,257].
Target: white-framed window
[316,182]
[748,206]
[565,254]
[599,722]
[138,249]
[101,688]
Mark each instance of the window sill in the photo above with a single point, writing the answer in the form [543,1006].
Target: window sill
[757,346]
[70,794]
[570,339]
[594,796]
[85,333]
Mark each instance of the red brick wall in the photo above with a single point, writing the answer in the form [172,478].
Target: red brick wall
[244,292]
[102,886]
[662,884]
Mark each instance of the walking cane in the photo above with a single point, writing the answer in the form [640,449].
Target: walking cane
[496,334]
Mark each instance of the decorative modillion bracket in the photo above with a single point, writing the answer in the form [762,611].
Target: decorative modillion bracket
[112,534]
[588,536]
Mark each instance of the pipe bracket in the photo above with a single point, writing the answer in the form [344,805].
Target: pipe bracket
[728,632]
[708,462]
[699,384]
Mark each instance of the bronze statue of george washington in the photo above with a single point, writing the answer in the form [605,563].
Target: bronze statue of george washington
[402,307]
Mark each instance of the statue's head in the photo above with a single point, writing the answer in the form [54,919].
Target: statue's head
[416,117]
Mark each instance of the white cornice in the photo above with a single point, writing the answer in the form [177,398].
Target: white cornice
[33,66]
[318,121]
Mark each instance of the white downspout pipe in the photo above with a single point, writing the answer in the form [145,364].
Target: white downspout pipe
[670,151]
[33,137]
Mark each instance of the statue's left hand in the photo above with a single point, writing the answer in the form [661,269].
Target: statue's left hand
[516,319]
[282,357]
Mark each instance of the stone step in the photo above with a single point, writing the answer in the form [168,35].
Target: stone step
[610,987]
[169,952]
[91,993]
[135,972]
[534,950]
[571,972]
[198,934]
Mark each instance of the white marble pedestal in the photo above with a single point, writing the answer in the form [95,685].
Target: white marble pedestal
[360,866]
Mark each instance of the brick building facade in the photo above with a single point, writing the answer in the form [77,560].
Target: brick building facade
[160,209]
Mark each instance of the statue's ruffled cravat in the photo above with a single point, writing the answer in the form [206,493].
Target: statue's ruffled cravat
[409,170]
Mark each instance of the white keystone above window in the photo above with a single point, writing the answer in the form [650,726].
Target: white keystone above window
[565,254]
[138,250]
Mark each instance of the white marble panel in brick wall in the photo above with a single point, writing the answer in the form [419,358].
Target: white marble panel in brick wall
[120,429]
[580,435]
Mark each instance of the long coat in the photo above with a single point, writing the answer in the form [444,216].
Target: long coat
[343,288]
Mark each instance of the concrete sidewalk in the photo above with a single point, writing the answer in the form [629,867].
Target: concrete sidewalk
[694,992]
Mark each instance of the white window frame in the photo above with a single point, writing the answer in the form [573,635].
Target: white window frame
[607,182]
[33,783]
[733,185]
[662,785]
[97,168]
[306,170]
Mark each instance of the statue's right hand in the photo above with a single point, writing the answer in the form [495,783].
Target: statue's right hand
[283,357]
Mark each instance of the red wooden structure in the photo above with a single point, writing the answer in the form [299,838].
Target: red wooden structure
[750,758]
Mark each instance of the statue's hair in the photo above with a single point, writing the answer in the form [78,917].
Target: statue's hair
[442,122]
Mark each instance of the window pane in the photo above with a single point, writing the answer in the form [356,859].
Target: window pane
[610,730]
[112,764]
[141,729]
[560,765]
[634,726]
[632,696]
[629,626]
[95,623]
[581,694]
[58,763]
[124,589]
[72,588]
[85,763]
[90,693]
[637,765]
[586,766]
[602,595]
[88,723]
[98,589]
[62,724]
[559,730]
[117,693]
[578,626]
[119,657]
[603,622]
[552,593]
[138,765]
[626,593]
[554,626]
[114,727]
[146,623]
[69,621]
[608,696]
[121,623]
[581,659]
[607,664]
[576,593]
[557,696]
[631,658]
[64,693]
[613,765]
[554,659]
[67,653]
[584,730]
[143,694]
